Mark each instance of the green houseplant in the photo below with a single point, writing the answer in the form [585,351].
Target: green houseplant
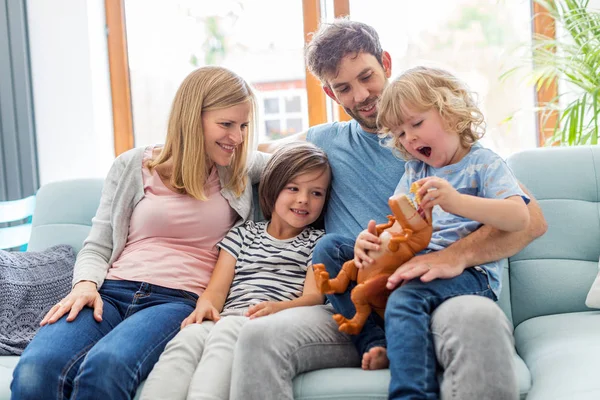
[572,59]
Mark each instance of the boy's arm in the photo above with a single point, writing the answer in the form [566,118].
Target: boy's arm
[507,214]
[482,246]
[220,280]
[211,302]
[270,147]
[510,214]
[310,295]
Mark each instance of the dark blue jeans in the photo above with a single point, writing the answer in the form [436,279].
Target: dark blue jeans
[410,342]
[85,359]
[334,250]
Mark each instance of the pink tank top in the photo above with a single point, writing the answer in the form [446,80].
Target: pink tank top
[172,237]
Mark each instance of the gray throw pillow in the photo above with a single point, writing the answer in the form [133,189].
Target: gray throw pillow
[30,283]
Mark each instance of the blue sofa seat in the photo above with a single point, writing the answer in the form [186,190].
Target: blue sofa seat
[562,354]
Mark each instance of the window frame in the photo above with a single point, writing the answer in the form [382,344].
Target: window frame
[120,88]
[543,24]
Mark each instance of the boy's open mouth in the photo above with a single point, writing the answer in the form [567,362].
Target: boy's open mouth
[425,150]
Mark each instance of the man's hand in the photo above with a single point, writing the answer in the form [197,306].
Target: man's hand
[83,294]
[443,264]
[204,311]
[263,308]
[365,241]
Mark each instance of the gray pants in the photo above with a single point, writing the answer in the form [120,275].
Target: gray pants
[473,340]
[196,364]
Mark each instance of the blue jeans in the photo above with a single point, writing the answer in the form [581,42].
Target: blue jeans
[334,250]
[410,342]
[85,359]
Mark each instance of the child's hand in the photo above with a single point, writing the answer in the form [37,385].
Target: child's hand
[204,311]
[438,191]
[365,241]
[264,308]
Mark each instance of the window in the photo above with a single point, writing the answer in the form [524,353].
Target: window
[283,112]
[476,40]
[167,39]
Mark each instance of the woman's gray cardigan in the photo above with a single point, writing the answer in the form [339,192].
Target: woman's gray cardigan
[122,191]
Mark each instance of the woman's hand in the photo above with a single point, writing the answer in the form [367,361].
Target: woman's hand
[204,311]
[83,294]
[438,191]
[365,241]
[264,308]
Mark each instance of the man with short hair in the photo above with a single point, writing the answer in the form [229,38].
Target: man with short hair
[473,338]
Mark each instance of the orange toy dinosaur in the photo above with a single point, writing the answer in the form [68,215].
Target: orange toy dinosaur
[405,234]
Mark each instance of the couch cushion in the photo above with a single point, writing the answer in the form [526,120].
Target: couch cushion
[562,352]
[549,286]
[315,385]
[554,273]
[354,383]
[64,212]
[593,298]
[342,383]
[7,365]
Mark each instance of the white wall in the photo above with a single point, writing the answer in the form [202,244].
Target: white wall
[71,88]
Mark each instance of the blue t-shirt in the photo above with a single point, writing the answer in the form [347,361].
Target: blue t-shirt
[480,173]
[364,176]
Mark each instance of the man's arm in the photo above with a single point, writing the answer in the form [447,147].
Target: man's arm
[488,244]
[482,246]
[270,147]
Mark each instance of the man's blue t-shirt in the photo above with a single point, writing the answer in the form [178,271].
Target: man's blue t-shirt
[480,173]
[364,175]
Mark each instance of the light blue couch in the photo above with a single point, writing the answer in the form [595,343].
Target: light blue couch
[545,285]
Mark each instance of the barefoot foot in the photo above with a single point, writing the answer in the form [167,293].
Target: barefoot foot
[375,358]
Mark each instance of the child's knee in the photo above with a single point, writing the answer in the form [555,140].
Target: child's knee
[404,299]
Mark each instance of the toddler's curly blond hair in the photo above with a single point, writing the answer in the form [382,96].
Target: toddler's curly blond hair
[424,88]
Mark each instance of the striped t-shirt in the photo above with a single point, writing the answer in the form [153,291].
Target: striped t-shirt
[267,269]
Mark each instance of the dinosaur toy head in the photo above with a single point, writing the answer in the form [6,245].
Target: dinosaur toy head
[408,212]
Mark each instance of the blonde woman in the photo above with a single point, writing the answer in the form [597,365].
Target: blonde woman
[151,250]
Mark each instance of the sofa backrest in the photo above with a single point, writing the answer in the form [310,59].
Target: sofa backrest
[63,213]
[65,210]
[554,273]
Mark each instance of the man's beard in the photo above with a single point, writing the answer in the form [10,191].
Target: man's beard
[369,122]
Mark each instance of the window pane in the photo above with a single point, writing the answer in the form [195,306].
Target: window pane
[167,39]
[474,39]
[294,125]
[273,129]
[271,106]
[292,104]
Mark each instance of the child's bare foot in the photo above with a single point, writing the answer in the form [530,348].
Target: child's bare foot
[375,358]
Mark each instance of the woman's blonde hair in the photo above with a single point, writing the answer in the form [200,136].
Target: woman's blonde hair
[423,88]
[205,89]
